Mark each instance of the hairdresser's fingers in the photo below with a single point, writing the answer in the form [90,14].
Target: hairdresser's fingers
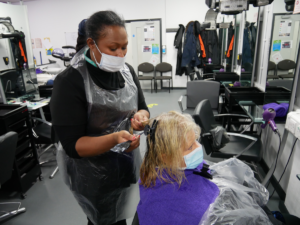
[134,144]
[136,125]
[140,117]
[124,136]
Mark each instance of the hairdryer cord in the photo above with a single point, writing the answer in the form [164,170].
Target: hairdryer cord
[276,156]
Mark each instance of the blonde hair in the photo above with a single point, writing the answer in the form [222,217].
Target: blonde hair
[164,157]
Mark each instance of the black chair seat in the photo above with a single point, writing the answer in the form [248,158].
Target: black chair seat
[163,78]
[272,77]
[236,145]
[44,132]
[282,76]
[145,77]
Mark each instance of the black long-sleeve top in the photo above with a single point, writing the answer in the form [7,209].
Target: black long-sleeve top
[69,104]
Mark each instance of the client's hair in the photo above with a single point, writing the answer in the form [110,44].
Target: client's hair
[164,158]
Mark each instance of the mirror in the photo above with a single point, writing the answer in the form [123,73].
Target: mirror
[284,45]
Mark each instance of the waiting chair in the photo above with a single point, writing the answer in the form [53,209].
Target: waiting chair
[198,90]
[44,135]
[8,145]
[286,65]
[146,68]
[272,66]
[244,147]
[163,68]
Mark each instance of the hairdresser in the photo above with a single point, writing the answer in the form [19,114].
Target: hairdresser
[91,99]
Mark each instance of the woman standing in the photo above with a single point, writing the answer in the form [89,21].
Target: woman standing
[93,104]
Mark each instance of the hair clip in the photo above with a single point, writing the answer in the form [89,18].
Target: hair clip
[151,130]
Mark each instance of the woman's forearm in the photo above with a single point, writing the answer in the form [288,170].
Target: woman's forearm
[93,146]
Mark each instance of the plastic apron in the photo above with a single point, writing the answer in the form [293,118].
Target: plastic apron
[105,186]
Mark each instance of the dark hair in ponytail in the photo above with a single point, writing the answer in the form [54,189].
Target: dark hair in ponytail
[96,24]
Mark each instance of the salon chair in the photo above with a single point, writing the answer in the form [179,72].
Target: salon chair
[44,135]
[8,145]
[272,67]
[198,90]
[145,68]
[286,65]
[244,147]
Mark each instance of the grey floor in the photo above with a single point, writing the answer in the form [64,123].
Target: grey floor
[49,202]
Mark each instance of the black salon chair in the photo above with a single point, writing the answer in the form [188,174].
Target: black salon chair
[146,68]
[44,136]
[8,145]
[272,67]
[244,147]
[198,90]
[163,68]
[286,65]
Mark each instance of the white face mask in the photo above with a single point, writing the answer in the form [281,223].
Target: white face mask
[193,159]
[109,63]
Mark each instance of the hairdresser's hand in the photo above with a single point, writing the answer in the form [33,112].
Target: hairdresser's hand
[124,136]
[138,118]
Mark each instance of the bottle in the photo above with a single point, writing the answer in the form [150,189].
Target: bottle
[209,60]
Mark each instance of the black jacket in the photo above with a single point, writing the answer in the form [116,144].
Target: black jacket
[178,45]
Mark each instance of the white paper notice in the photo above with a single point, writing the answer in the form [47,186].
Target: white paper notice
[154,60]
[297,7]
[285,28]
[47,44]
[277,57]
[149,33]
[38,43]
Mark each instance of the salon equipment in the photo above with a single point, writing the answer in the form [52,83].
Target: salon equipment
[245,147]
[268,116]
[280,109]
[229,7]
[26,168]
[197,91]
[8,144]
[59,54]
[237,84]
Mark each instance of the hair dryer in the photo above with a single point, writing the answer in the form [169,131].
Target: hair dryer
[268,116]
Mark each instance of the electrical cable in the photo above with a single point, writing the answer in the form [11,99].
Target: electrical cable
[276,156]
[285,167]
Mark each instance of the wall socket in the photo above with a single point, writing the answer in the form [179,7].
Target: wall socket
[293,123]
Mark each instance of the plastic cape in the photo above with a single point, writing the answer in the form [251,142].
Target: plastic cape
[105,186]
[241,196]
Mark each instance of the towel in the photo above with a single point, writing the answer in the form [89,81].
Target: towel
[280,109]
[170,204]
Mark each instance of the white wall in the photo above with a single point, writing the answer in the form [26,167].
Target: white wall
[54,18]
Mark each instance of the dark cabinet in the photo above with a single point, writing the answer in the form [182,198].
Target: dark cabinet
[26,167]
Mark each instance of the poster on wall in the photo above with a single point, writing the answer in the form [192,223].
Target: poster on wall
[38,43]
[149,33]
[146,48]
[155,49]
[286,44]
[277,57]
[285,28]
[276,45]
[297,7]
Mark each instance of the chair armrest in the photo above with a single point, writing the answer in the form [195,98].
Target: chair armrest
[228,114]
[221,101]
[43,121]
[242,135]
[180,102]
[210,79]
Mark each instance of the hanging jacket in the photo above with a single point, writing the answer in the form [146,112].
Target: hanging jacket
[253,31]
[211,44]
[230,44]
[230,48]
[178,45]
[199,42]
[246,56]
[189,57]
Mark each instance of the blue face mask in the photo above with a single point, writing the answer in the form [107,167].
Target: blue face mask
[193,159]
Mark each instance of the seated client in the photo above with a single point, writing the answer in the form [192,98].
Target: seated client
[173,192]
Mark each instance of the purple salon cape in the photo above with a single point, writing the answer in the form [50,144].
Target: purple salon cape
[170,204]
